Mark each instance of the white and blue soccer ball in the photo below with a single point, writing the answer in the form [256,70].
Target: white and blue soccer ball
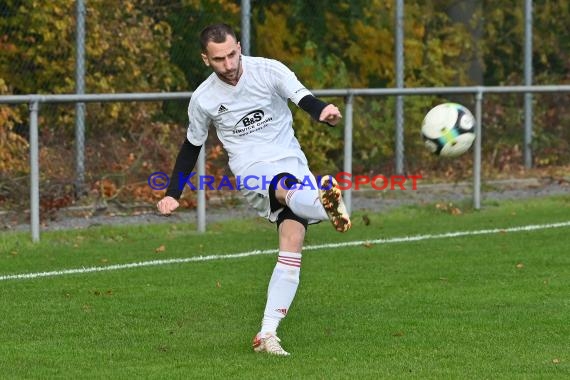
[448,130]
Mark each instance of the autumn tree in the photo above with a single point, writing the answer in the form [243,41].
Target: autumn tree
[126,51]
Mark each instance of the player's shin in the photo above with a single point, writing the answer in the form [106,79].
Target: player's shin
[281,291]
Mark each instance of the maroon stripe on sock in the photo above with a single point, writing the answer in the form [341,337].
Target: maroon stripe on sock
[298,265]
[289,195]
[289,258]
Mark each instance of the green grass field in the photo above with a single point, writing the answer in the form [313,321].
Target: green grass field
[371,305]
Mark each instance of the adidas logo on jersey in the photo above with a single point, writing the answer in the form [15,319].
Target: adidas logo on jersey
[222,109]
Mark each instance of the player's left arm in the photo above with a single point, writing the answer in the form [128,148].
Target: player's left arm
[289,87]
[320,111]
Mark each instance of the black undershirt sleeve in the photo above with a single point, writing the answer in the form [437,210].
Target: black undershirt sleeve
[185,162]
[313,106]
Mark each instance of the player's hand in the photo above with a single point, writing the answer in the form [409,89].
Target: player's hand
[166,205]
[330,115]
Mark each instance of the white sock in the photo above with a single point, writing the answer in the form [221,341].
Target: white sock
[281,291]
[304,202]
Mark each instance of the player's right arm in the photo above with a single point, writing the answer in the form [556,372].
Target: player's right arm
[185,162]
[187,157]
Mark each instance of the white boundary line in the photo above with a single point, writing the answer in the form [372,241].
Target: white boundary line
[532,227]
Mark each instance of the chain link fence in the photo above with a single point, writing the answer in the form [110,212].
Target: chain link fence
[151,46]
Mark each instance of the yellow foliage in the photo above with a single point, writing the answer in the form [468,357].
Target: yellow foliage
[13,147]
[373,49]
[278,41]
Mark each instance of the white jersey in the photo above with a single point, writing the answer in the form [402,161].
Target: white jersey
[252,119]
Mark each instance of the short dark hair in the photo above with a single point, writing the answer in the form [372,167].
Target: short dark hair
[215,33]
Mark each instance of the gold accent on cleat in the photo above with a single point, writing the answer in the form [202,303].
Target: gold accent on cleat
[331,199]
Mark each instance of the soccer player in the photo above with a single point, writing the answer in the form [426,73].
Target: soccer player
[245,99]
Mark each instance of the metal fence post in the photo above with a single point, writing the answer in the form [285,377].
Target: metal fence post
[34,172]
[246,26]
[347,162]
[80,107]
[399,46]
[528,82]
[477,150]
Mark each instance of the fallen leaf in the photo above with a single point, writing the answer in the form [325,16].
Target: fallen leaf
[163,348]
[556,361]
[520,266]
[160,249]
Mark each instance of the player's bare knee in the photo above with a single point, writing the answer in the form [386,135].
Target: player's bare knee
[280,194]
[292,241]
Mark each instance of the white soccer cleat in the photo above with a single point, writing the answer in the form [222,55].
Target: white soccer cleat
[268,343]
[331,199]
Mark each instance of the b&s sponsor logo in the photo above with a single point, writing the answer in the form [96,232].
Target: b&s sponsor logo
[250,119]
[252,122]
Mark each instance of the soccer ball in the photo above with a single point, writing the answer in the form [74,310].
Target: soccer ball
[448,130]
